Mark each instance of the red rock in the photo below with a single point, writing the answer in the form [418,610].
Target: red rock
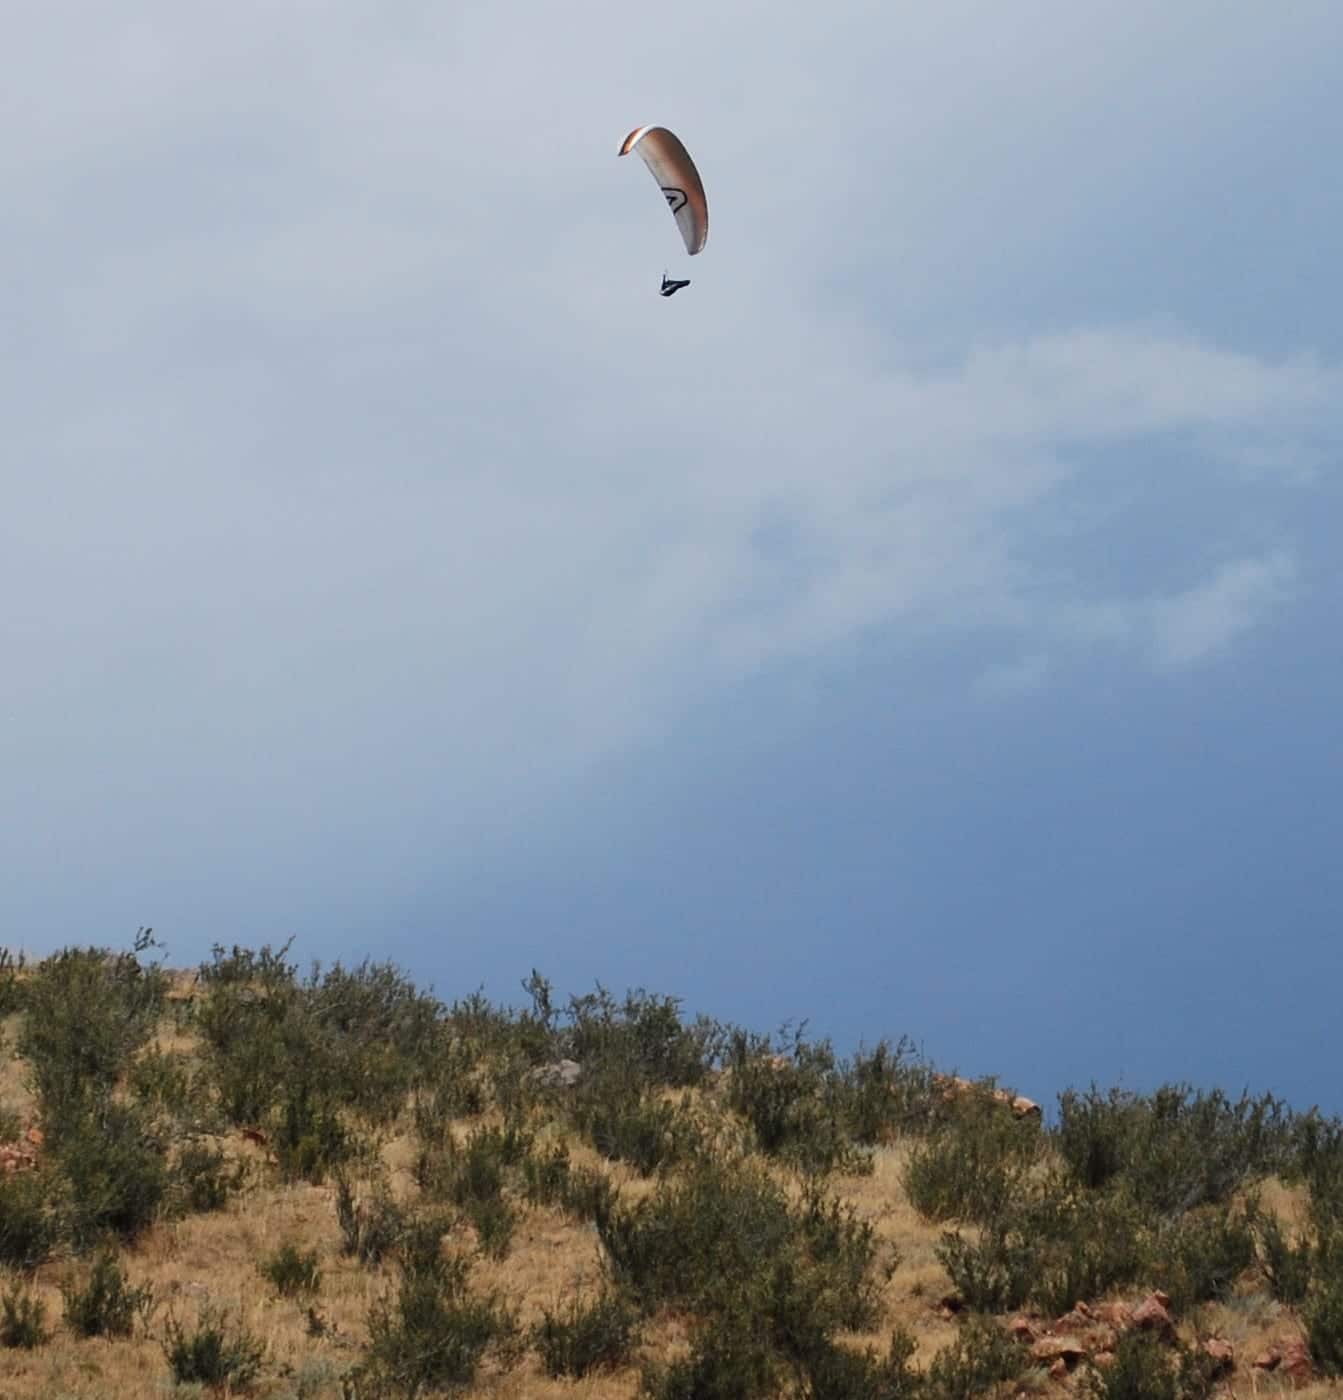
[1296,1361]
[1053,1349]
[35,1136]
[1104,1359]
[1151,1316]
[1080,1319]
[1267,1360]
[1023,1329]
[1058,1368]
[1026,1108]
[1222,1354]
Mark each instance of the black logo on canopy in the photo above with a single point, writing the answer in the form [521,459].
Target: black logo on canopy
[676,199]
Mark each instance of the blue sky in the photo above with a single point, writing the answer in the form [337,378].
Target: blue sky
[926,623]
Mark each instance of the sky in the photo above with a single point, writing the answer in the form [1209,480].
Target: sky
[924,624]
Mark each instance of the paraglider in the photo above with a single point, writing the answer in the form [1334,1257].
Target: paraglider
[670,165]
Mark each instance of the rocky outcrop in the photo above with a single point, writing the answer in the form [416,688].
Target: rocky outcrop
[954,1088]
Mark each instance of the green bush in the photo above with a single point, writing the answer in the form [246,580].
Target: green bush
[1054,1246]
[371,1226]
[433,1333]
[588,1195]
[1287,1264]
[1323,1316]
[310,1140]
[981,1358]
[1146,1369]
[102,1303]
[292,1270]
[725,1239]
[113,1161]
[642,1039]
[888,1093]
[30,1222]
[835,1372]
[975,1166]
[585,1334]
[213,1353]
[1201,1255]
[494,1222]
[203,1178]
[87,1012]
[249,1018]
[162,1083]
[546,1176]
[727,1361]
[21,1320]
[794,1103]
[1176,1148]
[635,1126]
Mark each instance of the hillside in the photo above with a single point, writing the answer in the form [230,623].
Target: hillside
[333,1184]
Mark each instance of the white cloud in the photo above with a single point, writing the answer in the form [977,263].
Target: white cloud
[1209,617]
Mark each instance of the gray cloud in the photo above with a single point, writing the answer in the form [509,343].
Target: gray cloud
[359,490]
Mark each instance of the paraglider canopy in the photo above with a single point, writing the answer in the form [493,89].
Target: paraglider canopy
[670,164]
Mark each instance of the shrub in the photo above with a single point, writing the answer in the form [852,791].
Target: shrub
[87,1012]
[888,1093]
[1287,1264]
[1200,1256]
[588,1195]
[1051,1248]
[494,1222]
[21,1319]
[981,1358]
[1145,1369]
[113,1162]
[292,1271]
[1176,1148]
[837,1373]
[642,1039]
[204,1178]
[631,1126]
[162,1082]
[30,1225]
[795,1103]
[1318,1160]
[727,1361]
[546,1176]
[433,1333]
[249,1019]
[310,1141]
[975,1166]
[1323,1316]
[726,1240]
[585,1335]
[370,1226]
[213,1353]
[103,1304]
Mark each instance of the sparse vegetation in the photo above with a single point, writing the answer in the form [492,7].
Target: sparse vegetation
[103,1303]
[292,1270]
[217,1351]
[21,1319]
[747,1202]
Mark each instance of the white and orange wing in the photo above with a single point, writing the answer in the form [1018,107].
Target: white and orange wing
[675,172]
